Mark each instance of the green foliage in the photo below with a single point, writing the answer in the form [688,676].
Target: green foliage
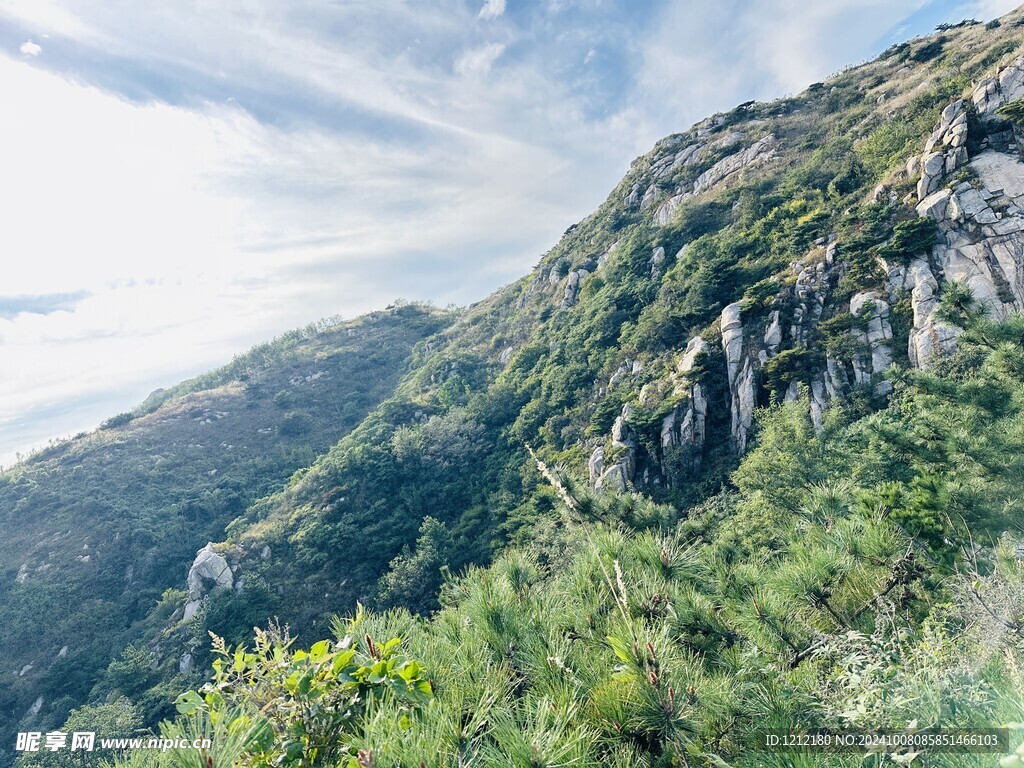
[888,145]
[928,51]
[789,365]
[760,295]
[414,577]
[957,305]
[836,575]
[124,509]
[300,708]
[1013,111]
[116,719]
[911,238]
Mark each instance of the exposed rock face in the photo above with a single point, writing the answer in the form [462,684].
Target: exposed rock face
[657,260]
[35,709]
[759,152]
[773,333]
[572,287]
[876,339]
[595,466]
[685,425]
[209,570]
[620,473]
[929,338]
[945,150]
[812,284]
[741,375]
[748,349]
[981,245]
[666,210]
[1007,86]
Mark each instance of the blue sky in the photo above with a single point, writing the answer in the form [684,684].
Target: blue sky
[183,181]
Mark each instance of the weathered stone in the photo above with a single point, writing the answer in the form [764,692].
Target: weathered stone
[595,466]
[732,338]
[819,402]
[773,334]
[686,424]
[663,215]
[756,154]
[935,205]
[695,347]
[208,568]
[572,287]
[35,709]
[657,259]
[929,338]
[933,166]
[973,205]
[743,403]
[875,338]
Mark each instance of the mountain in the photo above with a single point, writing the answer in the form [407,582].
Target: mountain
[760,408]
[96,529]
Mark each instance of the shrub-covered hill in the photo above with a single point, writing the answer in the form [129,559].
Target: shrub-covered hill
[95,529]
[817,251]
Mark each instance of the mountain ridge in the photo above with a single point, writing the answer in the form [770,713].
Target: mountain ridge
[789,252]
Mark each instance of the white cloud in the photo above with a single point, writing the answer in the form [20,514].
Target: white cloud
[477,62]
[48,16]
[988,9]
[30,49]
[200,232]
[492,9]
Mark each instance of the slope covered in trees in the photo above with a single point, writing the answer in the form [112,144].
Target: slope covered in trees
[851,259]
[854,577]
[97,528]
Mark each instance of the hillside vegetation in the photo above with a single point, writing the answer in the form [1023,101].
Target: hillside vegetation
[741,454]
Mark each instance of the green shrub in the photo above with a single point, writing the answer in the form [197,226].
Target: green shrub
[299,708]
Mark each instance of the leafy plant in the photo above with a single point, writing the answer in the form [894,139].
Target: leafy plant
[285,707]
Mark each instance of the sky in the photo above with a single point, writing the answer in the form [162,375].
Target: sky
[180,181]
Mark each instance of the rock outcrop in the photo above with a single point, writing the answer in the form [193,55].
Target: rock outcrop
[209,571]
[945,150]
[657,261]
[572,287]
[741,372]
[981,246]
[994,92]
[875,339]
[980,220]
[758,153]
[929,337]
[686,425]
[619,474]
